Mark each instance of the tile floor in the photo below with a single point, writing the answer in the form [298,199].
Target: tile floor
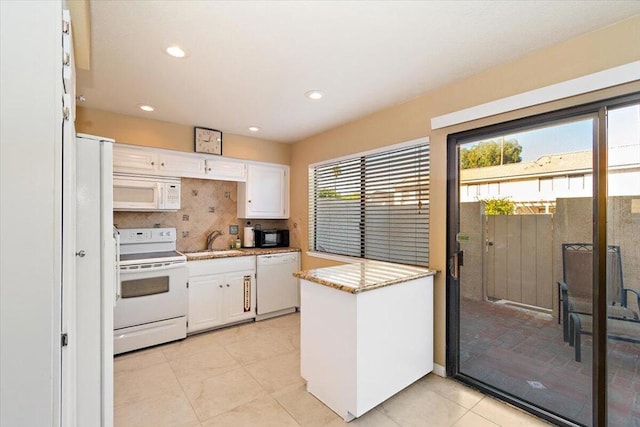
[249,375]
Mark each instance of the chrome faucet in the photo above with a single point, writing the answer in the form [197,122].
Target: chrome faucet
[212,237]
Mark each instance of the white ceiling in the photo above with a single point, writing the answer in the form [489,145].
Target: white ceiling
[250,62]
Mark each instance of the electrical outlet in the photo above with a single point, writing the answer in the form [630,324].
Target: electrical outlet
[233,229]
[227,194]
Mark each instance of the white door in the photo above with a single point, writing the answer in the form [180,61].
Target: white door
[179,165]
[225,170]
[267,192]
[94,284]
[132,160]
[68,302]
[205,302]
[240,297]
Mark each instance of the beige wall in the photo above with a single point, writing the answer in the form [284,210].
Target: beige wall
[173,136]
[593,52]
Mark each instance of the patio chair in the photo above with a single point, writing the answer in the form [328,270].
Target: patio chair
[575,291]
[617,329]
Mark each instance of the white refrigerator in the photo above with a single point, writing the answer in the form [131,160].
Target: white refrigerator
[95,281]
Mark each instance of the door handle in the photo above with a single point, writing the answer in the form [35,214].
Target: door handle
[457,261]
[456,271]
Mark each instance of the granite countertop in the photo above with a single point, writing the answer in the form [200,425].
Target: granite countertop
[366,276]
[229,253]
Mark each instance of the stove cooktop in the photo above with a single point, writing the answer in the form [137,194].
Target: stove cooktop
[150,257]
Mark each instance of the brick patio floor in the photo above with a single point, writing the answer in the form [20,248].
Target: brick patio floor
[522,353]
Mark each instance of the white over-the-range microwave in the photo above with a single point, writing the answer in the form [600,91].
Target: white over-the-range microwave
[145,193]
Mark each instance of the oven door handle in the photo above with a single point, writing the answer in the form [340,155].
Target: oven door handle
[154,269]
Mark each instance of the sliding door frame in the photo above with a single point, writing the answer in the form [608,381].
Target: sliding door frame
[598,110]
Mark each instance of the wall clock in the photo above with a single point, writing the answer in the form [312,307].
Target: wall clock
[207,140]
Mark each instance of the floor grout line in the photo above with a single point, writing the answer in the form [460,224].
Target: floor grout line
[286,410]
[184,393]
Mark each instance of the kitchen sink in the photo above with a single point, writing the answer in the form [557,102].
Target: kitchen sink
[212,252]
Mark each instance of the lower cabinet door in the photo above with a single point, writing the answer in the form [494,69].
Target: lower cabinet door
[206,302]
[241,296]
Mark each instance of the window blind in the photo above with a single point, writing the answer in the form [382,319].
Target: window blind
[373,206]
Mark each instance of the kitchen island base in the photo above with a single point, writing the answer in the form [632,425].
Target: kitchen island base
[359,349]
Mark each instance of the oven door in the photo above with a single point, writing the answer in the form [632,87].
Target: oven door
[151,293]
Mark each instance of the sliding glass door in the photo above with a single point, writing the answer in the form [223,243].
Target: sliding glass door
[623,269]
[533,238]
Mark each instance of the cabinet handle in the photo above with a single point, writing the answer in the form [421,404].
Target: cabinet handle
[227,285]
[162,164]
[220,285]
[249,201]
[153,163]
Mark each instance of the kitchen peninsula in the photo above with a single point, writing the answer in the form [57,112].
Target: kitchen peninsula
[366,332]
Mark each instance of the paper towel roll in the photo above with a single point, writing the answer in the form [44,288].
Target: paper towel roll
[249,238]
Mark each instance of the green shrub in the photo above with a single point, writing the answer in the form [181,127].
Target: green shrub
[497,206]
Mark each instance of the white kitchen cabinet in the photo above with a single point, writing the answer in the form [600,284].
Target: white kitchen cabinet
[238,306]
[152,161]
[134,160]
[226,170]
[205,296]
[221,291]
[155,162]
[182,165]
[384,333]
[266,193]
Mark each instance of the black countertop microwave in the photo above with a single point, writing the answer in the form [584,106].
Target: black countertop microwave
[271,238]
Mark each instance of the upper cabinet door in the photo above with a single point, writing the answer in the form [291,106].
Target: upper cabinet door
[266,192]
[159,162]
[134,160]
[183,165]
[226,170]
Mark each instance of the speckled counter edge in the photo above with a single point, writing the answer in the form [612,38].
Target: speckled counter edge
[244,252]
[311,277]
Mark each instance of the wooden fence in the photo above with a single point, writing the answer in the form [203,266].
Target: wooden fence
[518,259]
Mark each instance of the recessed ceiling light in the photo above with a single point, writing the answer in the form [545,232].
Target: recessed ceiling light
[176,51]
[146,107]
[314,94]
[254,128]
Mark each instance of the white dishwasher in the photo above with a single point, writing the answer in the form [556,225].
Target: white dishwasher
[277,291]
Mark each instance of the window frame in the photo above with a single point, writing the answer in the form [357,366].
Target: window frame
[311,223]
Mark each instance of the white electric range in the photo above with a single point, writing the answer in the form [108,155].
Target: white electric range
[151,303]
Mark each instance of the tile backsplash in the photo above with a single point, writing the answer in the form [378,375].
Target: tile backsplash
[207,205]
